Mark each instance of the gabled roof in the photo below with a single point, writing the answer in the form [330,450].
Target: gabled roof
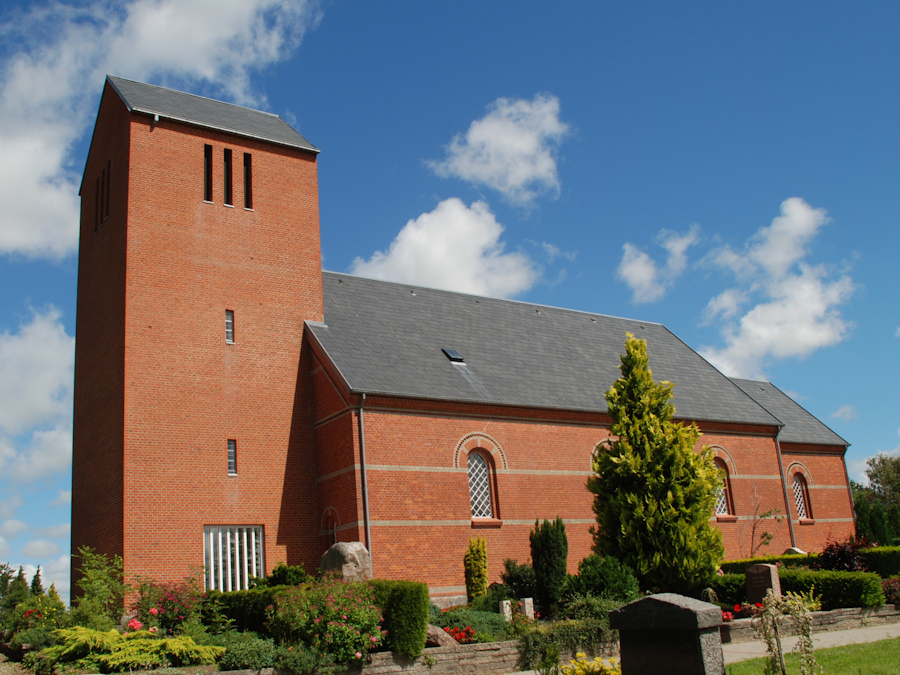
[799,425]
[387,338]
[206,112]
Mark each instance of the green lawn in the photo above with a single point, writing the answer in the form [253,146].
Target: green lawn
[871,658]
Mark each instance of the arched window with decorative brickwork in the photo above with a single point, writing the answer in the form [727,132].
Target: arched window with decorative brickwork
[801,496]
[724,505]
[479,470]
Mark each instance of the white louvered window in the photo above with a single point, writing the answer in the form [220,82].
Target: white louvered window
[229,326]
[801,496]
[479,485]
[232,457]
[723,501]
[232,555]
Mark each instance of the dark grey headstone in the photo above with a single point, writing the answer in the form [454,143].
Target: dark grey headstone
[760,578]
[669,633]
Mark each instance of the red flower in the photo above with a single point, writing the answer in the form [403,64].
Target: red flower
[737,608]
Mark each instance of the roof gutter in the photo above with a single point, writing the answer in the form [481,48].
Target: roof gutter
[364,479]
[787,501]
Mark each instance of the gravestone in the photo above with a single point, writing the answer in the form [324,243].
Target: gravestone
[528,607]
[506,609]
[760,578]
[669,633]
[349,559]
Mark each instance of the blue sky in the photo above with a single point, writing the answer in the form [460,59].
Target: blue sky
[726,169]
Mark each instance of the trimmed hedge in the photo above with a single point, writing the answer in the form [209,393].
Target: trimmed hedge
[740,566]
[884,560]
[836,589]
[405,608]
[246,609]
[731,589]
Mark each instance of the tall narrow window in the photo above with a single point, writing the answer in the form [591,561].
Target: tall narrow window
[479,485]
[231,555]
[106,205]
[102,196]
[723,498]
[229,326]
[248,181]
[801,497]
[97,210]
[207,173]
[228,196]
[232,457]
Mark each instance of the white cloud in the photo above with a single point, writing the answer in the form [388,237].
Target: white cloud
[797,304]
[897,332]
[511,149]
[845,412]
[40,548]
[13,528]
[55,531]
[64,498]
[58,571]
[454,247]
[36,367]
[5,549]
[648,281]
[50,84]
[9,505]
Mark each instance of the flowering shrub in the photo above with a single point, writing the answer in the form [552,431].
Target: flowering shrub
[135,625]
[166,606]
[463,636]
[596,666]
[327,616]
[41,611]
[746,610]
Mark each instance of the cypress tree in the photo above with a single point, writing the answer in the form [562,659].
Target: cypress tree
[37,584]
[475,563]
[654,496]
[549,553]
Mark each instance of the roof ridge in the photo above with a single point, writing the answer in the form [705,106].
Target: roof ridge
[114,78]
[493,299]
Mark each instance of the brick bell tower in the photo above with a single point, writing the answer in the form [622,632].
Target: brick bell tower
[199,261]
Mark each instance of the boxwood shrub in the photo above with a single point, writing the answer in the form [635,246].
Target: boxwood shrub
[740,566]
[836,589]
[884,560]
[245,609]
[730,589]
[405,609]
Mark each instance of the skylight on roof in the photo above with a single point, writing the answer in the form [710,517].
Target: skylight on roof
[453,355]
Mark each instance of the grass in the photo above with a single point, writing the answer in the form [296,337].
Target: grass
[870,658]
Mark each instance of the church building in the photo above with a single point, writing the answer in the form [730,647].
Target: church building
[236,406]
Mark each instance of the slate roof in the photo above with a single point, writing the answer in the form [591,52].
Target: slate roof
[799,425]
[208,113]
[386,338]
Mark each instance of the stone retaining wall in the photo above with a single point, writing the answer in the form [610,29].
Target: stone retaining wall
[741,630]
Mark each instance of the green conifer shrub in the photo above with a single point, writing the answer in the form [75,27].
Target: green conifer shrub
[519,578]
[405,609]
[654,495]
[549,553]
[476,565]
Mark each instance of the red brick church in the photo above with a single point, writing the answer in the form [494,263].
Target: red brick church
[236,406]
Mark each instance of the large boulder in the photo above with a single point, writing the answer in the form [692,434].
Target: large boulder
[349,559]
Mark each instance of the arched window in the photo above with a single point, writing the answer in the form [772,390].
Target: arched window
[723,499]
[479,485]
[801,496]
